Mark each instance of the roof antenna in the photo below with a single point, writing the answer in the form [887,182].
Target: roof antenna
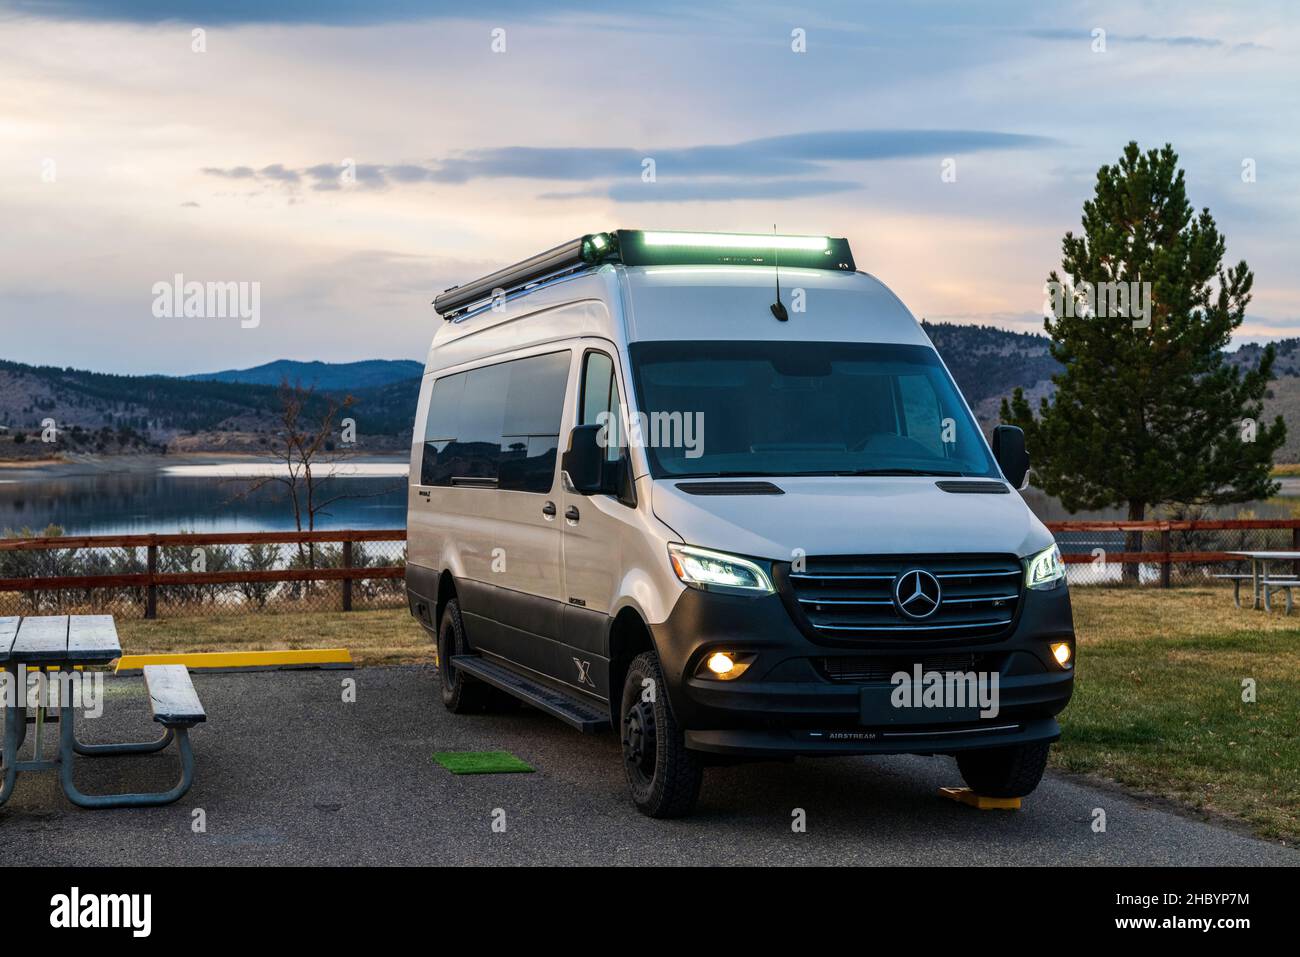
[778,309]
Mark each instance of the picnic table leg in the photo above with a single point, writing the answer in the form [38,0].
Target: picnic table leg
[20,697]
[1254,583]
[143,747]
[10,754]
[15,723]
[41,693]
[68,752]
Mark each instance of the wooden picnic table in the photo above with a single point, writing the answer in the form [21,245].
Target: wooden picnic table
[58,645]
[1259,568]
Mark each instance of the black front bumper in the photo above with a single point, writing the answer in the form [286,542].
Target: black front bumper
[795,700]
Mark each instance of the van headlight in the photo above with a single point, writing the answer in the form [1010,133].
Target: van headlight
[1046,569]
[708,570]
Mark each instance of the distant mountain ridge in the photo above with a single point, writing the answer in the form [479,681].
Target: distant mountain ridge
[236,410]
[329,376]
[105,413]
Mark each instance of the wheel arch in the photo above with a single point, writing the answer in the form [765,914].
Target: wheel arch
[629,636]
[446,592]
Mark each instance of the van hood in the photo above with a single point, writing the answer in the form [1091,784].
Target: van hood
[850,515]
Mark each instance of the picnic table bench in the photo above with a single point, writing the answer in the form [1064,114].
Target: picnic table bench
[1262,585]
[59,644]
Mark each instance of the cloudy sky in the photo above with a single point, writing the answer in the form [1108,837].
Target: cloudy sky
[356,158]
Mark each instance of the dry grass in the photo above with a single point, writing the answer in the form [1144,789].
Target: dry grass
[387,637]
[1158,702]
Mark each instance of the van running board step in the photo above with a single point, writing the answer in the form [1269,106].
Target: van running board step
[569,709]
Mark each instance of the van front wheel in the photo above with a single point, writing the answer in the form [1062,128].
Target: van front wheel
[1004,772]
[460,693]
[664,776]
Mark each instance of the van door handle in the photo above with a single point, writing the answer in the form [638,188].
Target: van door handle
[571,513]
[549,510]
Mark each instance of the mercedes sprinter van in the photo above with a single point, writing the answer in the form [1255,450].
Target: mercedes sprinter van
[719,494]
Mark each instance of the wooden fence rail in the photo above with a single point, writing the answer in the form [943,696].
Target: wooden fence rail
[151,578]
[1166,557]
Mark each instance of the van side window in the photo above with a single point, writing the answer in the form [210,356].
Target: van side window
[600,395]
[441,427]
[497,426]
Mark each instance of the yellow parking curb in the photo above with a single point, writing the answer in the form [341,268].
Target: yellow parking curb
[980,801]
[242,660]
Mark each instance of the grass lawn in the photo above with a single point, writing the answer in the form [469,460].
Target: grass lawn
[1157,704]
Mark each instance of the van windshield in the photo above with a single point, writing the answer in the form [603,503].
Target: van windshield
[710,408]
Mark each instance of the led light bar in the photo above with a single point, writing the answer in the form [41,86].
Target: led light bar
[735,241]
[636,247]
[663,248]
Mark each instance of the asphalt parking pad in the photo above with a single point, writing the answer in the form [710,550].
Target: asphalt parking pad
[289,771]
[482,762]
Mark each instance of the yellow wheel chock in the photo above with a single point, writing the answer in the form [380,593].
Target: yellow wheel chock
[980,801]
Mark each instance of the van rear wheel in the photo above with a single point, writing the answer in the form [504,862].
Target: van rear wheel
[664,776]
[1004,772]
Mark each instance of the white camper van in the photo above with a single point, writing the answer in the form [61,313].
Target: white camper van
[717,493]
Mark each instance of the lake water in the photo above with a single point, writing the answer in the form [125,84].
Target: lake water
[210,498]
[198,498]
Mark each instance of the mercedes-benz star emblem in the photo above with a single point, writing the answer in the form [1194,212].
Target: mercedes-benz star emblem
[917,594]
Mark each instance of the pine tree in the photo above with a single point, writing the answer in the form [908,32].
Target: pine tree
[1147,411]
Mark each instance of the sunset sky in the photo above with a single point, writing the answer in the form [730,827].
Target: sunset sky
[129,157]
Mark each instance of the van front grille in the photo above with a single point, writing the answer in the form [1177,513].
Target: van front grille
[853,597]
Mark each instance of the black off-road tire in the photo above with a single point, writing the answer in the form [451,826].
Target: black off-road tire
[663,775]
[461,694]
[1004,772]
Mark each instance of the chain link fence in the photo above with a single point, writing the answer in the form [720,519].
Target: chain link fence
[109,578]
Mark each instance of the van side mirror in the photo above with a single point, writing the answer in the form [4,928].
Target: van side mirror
[584,460]
[1009,450]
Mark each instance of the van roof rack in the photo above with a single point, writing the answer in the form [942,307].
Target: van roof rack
[643,247]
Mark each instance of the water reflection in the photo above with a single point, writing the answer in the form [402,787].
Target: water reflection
[159,501]
[206,499]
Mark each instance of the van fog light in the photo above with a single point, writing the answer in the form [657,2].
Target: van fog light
[720,663]
[1061,652]
[723,665]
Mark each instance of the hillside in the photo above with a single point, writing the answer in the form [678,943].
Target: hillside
[329,376]
[235,410]
[988,363]
[99,412]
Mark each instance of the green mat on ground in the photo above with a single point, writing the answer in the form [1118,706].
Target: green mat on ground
[481,762]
